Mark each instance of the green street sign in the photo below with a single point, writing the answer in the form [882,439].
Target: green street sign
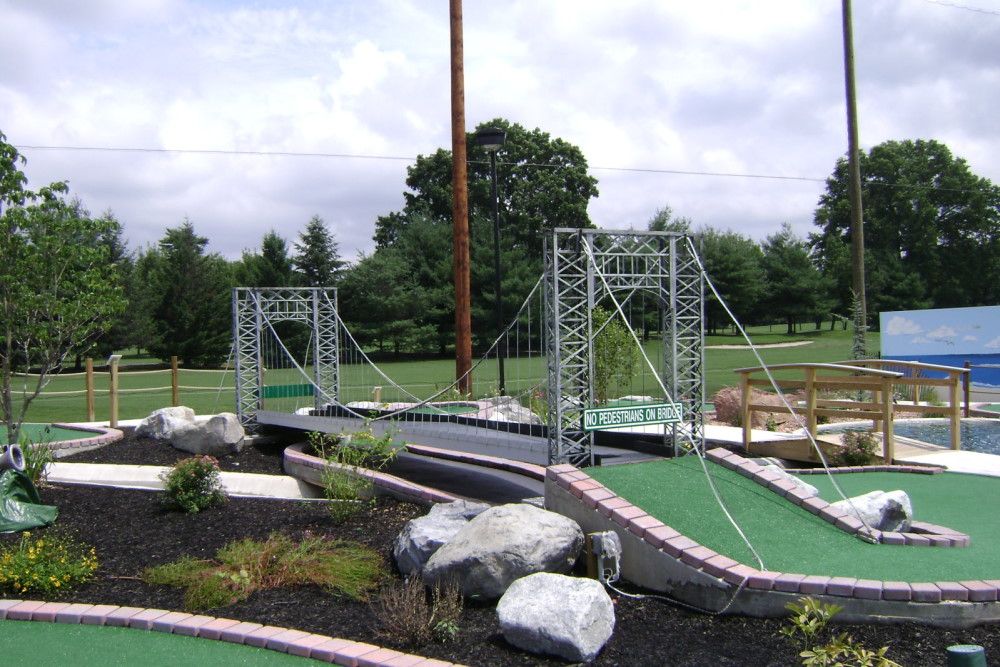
[599,419]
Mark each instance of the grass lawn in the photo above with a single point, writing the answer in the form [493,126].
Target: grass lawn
[213,391]
[790,539]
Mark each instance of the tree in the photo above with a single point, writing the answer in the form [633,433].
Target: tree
[542,183]
[616,354]
[317,255]
[932,229]
[271,267]
[664,220]
[795,288]
[192,313]
[733,263]
[58,289]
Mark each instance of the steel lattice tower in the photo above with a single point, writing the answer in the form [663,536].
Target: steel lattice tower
[661,263]
[254,309]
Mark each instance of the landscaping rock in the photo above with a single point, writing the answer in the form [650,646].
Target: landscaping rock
[805,486]
[221,435]
[162,423]
[507,408]
[890,511]
[557,615]
[502,544]
[422,536]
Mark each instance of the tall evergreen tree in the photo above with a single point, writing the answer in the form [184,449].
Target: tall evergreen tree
[317,255]
[271,267]
[796,290]
[733,263]
[193,314]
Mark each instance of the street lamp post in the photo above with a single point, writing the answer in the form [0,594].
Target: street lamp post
[492,139]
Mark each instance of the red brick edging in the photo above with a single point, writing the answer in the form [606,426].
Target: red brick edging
[283,640]
[103,436]
[594,495]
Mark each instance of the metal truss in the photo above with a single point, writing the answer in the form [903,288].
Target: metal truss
[254,309]
[662,263]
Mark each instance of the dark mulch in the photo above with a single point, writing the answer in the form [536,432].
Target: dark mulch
[131,531]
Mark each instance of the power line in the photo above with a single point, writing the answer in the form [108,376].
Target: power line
[967,8]
[400,158]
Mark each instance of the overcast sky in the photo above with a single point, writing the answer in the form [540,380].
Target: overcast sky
[724,86]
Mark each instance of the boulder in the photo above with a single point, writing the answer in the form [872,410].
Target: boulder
[221,435]
[162,423]
[557,615]
[422,536]
[797,481]
[890,511]
[502,544]
[507,408]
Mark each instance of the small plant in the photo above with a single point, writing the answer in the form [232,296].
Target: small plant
[771,424]
[245,566]
[193,484]
[807,625]
[345,482]
[406,610]
[860,449]
[37,455]
[47,564]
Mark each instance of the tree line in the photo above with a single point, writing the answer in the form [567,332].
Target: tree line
[69,286]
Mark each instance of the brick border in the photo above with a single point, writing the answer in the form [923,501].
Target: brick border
[922,533]
[103,436]
[284,640]
[596,497]
[313,466]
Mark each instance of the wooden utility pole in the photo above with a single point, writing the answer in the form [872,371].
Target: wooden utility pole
[854,186]
[460,206]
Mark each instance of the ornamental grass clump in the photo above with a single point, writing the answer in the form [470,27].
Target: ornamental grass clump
[242,567]
[408,611]
[48,563]
[193,484]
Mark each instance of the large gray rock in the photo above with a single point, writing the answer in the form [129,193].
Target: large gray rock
[797,481]
[162,423]
[422,536]
[557,615]
[890,511]
[221,435]
[507,408]
[502,544]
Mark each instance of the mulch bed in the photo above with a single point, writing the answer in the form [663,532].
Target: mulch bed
[131,530]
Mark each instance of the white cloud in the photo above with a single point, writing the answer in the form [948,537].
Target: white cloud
[993,344]
[900,326]
[969,339]
[943,334]
[729,86]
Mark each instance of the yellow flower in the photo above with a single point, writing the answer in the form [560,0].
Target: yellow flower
[58,584]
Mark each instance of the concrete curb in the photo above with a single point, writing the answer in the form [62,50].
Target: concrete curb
[283,640]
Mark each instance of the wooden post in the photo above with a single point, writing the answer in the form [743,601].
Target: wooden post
[811,401]
[175,385]
[90,389]
[967,386]
[955,413]
[745,409]
[888,444]
[113,390]
[460,206]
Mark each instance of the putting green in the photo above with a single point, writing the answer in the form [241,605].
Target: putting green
[43,433]
[790,539]
[34,643]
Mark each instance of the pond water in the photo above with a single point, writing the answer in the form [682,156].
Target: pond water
[978,435]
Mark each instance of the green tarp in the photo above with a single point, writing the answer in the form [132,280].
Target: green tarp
[20,507]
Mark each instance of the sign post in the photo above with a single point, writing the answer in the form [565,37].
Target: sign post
[600,419]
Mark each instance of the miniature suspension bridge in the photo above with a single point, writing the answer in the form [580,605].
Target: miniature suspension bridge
[298,365]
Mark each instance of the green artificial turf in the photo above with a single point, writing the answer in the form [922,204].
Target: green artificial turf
[43,433]
[32,643]
[790,539]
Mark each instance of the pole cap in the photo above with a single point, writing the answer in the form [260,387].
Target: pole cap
[966,655]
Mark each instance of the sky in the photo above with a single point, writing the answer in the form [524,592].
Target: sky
[645,89]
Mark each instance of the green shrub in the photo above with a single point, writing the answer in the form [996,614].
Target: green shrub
[245,566]
[345,483]
[37,455]
[860,449]
[807,628]
[193,484]
[406,611]
[49,563]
